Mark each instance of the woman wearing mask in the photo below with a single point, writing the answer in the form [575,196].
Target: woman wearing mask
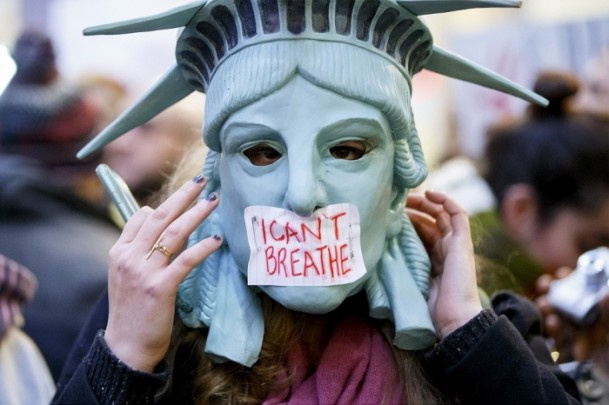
[314,285]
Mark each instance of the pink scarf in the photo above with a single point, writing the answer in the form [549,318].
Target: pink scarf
[357,367]
[17,286]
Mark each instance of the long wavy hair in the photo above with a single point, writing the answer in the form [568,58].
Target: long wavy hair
[237,384]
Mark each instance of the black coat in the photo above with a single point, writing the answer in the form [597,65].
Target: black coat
[486,361]
[63,241]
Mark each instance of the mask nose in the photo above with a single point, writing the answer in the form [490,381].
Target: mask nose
[306,192]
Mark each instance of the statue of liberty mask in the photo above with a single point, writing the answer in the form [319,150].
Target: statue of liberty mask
[313,148]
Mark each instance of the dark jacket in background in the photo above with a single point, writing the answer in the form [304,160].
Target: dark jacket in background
[63,241]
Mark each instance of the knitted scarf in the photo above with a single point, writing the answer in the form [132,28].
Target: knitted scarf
[357,367]
[17,286]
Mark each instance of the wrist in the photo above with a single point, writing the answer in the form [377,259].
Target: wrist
[458,344]
[116,382]
[131,355]
[465,314]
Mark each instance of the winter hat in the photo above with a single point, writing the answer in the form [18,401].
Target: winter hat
[41,115]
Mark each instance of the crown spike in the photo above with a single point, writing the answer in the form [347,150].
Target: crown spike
[170,89]
[448,64]
[174,18]
[425,7]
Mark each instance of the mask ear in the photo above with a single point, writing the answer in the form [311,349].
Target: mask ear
[409,162]
[519,212]
[211,170]
[396,213]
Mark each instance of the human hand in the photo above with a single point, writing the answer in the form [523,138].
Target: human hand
[572,341]
[443,226]
[143,279]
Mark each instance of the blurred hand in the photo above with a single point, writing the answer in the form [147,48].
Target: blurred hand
[573,342]
[443,226]
[143,281]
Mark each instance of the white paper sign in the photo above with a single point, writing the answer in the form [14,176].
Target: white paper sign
[289,250]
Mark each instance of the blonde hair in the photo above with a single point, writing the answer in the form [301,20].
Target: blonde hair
[186,168]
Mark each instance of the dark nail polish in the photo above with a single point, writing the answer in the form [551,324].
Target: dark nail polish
[212,197]
[199,178]
[217,237]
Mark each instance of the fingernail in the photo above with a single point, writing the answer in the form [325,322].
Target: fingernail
[212,197]
[199,178]
[217,237]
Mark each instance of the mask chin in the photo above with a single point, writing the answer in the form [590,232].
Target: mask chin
[313,300]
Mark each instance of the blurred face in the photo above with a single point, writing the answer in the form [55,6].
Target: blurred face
[145,155]
[594,93]
[570,234]
[303,148]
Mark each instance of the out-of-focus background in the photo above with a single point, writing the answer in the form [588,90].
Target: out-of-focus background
[451,116]
[70,86]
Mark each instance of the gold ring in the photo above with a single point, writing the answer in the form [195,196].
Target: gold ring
[161,248]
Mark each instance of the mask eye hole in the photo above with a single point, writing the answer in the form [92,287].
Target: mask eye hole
[349,150]
[262,154]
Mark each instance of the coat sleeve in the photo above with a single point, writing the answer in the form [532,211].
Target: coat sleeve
[492,359]
[93,375]
[97,321]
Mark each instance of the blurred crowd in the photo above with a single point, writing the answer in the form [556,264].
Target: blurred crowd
[539,205]
[56,221]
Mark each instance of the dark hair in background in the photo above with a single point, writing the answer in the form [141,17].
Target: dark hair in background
[563,154]
[42,115]
[34,55]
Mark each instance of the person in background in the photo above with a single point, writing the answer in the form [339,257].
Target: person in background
[45,117]
[549,172]
[50,220]
[24,376]
[594,93]
[147,156]
[106,92]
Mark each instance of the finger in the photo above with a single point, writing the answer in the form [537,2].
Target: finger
[457,216]
[417,218]
[188,259]
[563,272]
[134,224]
[424,205]
[542,284]
[449,216]
[424,225]
[414,200]
[448,204]
[169,210]
[176,234]
[444,223]
[435,196]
